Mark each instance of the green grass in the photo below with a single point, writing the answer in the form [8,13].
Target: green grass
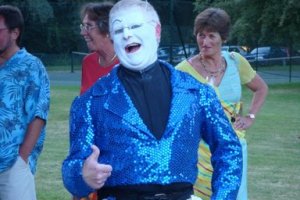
[48,178]
[273,146]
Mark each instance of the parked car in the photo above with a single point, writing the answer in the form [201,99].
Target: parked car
[239,49]
[178,53]
[268,55]
[163,53]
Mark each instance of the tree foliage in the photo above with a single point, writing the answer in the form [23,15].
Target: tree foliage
[52,26]
[258,22]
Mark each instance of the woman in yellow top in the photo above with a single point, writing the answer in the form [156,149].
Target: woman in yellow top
[225,72]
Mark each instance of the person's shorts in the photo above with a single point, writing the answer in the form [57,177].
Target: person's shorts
[17,182]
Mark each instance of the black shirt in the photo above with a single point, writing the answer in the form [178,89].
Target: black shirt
[150,92]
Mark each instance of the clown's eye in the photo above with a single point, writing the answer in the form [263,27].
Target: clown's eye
[119,31]
[132,27]
[135,26]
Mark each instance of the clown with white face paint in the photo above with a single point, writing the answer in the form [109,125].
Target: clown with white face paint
[135,35]
[135,134]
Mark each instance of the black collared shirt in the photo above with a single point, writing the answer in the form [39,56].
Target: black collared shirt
[150,92]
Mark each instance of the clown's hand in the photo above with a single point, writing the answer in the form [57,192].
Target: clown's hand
[94,173]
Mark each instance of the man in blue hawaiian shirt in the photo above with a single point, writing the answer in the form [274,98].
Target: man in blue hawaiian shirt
[24,106]
[135,134]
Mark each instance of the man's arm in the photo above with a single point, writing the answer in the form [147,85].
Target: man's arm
[31,136]
[81,172]
[225,148]
[37,103]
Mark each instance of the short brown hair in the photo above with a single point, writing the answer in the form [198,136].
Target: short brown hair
[213,19]
[13,18]
[98,12]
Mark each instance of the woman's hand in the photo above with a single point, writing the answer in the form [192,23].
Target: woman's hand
[243,122]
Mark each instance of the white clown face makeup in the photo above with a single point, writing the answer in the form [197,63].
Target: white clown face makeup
[135,38]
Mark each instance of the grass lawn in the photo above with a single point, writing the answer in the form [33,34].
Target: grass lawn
[48,178]
[273,146]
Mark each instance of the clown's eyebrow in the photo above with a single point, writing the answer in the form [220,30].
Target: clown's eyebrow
[116,20]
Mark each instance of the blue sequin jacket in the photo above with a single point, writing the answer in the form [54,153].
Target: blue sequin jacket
[106,116]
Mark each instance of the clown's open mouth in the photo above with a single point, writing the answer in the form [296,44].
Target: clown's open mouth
[131,48]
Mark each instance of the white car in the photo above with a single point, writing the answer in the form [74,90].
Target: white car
[239,49]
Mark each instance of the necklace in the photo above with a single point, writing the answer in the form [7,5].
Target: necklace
[216,73]
[211,79]
[111,60]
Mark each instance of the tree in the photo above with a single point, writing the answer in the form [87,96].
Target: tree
[51,26]
[259,22]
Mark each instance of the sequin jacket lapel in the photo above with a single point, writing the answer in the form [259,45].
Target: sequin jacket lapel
[118,102]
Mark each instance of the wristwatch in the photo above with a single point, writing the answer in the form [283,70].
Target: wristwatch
[251,116]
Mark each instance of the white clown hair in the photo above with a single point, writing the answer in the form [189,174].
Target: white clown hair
[145,6]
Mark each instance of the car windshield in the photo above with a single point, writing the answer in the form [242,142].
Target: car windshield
[260,50]
[225,48]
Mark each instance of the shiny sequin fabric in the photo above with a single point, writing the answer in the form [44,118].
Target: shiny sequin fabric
[106,116]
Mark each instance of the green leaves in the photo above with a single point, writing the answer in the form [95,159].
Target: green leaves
[257,22]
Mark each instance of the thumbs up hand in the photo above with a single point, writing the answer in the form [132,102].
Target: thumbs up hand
[94,173]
